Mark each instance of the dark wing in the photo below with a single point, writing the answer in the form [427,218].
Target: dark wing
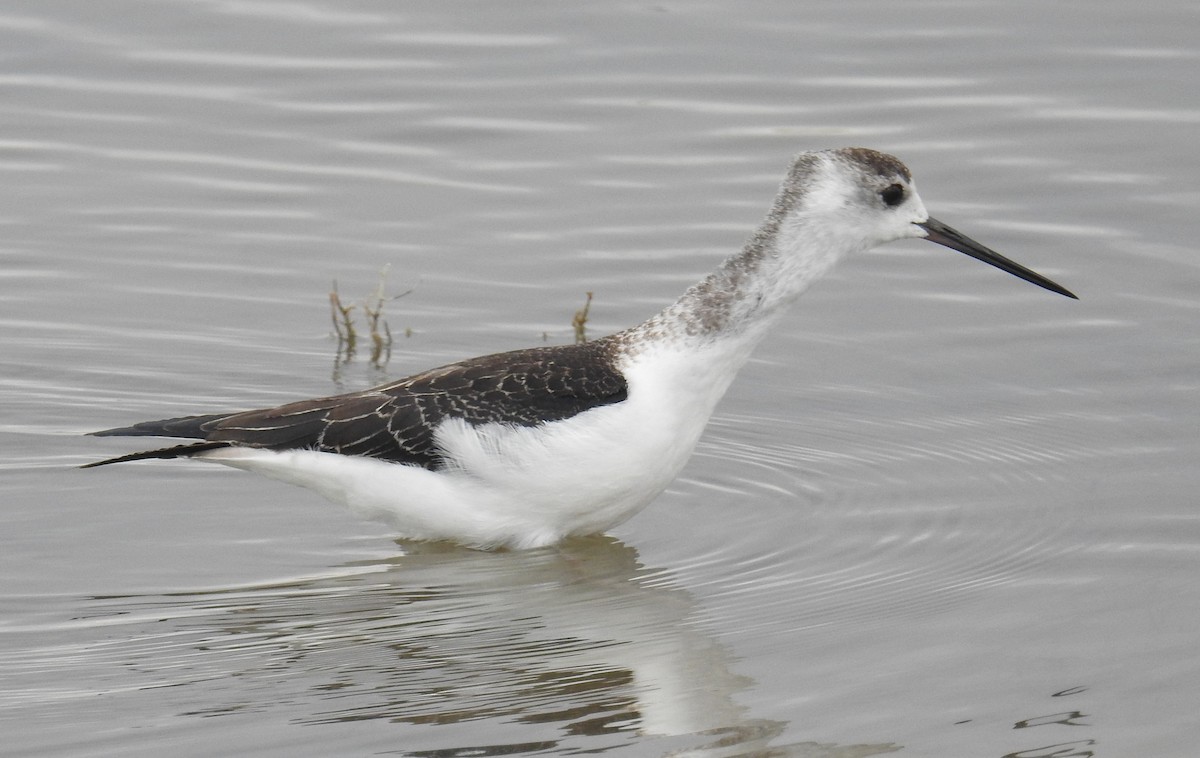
[396,421]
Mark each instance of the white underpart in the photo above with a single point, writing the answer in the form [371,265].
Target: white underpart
[523,486]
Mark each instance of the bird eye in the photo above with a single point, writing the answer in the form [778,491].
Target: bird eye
[892,195]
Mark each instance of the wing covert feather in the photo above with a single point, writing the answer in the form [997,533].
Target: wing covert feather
[396,421]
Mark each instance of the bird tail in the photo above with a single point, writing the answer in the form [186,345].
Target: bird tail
[187,427]
[178,451]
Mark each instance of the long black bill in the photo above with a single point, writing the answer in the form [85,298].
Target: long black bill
[956,240]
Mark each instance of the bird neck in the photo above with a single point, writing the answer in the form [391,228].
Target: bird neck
[750,290]
[696,345]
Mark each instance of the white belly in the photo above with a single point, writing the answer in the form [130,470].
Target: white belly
[523,486]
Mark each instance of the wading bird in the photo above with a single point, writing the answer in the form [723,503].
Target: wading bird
[524,448]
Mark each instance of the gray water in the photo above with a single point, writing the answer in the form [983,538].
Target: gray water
[942,512]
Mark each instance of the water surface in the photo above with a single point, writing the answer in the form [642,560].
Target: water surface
[942,512]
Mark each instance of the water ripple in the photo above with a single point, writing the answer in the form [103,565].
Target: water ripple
[581,640]
[887,518]
[257,165]
[268,62]
[475,39]
[316,14]
[94,84]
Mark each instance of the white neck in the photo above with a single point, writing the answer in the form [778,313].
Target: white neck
[795,245]
[703,339]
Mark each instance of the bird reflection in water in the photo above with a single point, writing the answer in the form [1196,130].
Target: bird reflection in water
[577,646]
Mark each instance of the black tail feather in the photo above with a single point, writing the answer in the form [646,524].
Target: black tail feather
[178,451]
[190,427]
